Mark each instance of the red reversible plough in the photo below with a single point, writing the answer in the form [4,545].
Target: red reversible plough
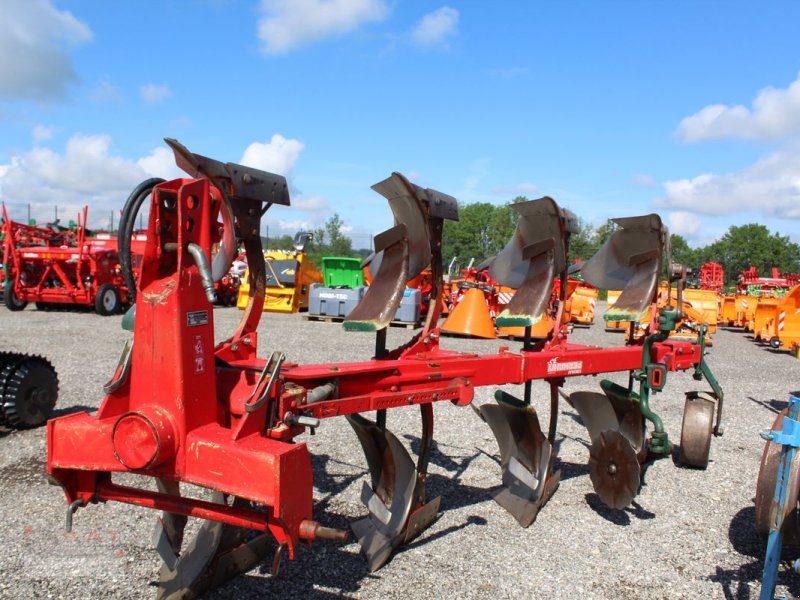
[181,410]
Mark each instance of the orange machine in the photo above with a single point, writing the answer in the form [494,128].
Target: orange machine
[705,302]
[582,304]
[611,299]
[782,328]
[765,311]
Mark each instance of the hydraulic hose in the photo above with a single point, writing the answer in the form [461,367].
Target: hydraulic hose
[126,224]
[204,269]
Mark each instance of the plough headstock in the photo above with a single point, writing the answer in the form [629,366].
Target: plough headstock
[180,410]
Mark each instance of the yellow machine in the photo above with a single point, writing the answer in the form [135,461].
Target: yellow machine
[745,310]
[582,305]
[781,329]
[289,278]
[727,311]
[705,302]
[610,301]
[765,311]
[693,316]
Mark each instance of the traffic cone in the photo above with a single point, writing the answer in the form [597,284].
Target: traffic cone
[470,317]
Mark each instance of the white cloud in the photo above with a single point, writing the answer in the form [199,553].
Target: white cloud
[770,186]
[276,156]
[41,133]
[289,227]
[161,163]
[435,28]
[775,113]
[685,224]
[310,203]
[153,94]
[88,172]
[34,61]
[290,24]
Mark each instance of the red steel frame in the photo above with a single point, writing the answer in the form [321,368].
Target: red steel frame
[192,412]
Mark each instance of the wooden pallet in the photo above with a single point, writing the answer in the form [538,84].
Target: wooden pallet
[331,319]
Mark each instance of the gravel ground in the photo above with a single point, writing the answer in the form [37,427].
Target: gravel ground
[689,533]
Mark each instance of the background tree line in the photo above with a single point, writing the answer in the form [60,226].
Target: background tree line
[484,228]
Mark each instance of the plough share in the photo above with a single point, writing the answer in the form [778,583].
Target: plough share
[182,410]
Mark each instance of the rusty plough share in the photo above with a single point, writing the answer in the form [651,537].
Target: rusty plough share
[184,411]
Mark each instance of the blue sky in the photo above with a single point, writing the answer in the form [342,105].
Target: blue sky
[690,109]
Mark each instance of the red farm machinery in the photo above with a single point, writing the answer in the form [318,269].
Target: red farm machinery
[61,268]
[180,409]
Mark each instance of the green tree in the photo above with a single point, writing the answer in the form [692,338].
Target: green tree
[682,253]
[752,244]
[483,229]
[583,243]
[329,241]
[281,242]
[604,232]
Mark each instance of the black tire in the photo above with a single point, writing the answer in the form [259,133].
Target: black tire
[7,362]
[30,393]
[107,302]
[11,300]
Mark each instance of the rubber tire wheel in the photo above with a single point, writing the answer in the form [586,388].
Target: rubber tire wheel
[30,393]
[6,359]
[698,418]
[107,300]
[11,300]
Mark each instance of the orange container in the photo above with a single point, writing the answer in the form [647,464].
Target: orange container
[470,317]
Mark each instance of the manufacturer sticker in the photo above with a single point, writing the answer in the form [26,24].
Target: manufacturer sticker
[571,368]
[196,317]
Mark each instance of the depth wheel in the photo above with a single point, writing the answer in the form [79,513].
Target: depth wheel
[698,419]
[765,490]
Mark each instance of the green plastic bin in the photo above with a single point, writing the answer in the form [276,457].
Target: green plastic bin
[342,271]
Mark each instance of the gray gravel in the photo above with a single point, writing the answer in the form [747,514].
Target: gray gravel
[689,534]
